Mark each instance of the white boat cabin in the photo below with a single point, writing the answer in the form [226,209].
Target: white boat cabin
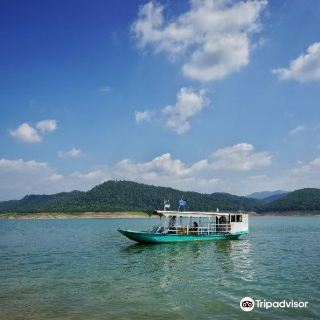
[202,223]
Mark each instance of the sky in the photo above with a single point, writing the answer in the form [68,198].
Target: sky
[201,95]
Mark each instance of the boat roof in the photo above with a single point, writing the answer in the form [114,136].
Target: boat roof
[192,213]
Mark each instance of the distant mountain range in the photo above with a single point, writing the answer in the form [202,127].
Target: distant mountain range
[119,196]
[268,195]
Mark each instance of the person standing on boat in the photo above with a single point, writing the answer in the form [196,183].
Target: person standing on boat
[171,225]
[172,221]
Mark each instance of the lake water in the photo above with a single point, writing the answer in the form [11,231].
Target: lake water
[84,269]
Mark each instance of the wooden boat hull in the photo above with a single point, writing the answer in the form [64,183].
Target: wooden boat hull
[149,237]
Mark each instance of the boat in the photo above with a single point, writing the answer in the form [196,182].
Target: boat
[181,226]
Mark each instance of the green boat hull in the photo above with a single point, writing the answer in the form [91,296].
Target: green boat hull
[149,237]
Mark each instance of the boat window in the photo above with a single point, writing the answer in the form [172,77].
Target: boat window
[239,218]
[223,219]
[233,218]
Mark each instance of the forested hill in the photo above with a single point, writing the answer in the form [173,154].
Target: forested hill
[307,199]
[117,196]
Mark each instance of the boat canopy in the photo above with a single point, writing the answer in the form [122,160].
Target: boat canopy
[188,214]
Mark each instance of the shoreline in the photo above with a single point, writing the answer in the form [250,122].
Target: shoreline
[290,213]
[83,215]
[132,215]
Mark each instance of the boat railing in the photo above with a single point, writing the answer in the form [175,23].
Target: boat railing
[211,228]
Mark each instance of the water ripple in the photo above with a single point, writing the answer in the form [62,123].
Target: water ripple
[84,269]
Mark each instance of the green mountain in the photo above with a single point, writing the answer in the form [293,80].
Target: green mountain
[117,196]
[307,199]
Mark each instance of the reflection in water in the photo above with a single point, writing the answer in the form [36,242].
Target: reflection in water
[238,253]
[172,261]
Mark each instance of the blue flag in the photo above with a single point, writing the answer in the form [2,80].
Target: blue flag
[182,202]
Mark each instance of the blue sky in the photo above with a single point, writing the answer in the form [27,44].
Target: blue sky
[203,95]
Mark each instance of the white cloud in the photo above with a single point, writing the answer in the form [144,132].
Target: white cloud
[97,175]
[218,58]
[225,171]
[189,103]
[21,165]
[213,37]
[26,133]
[72,153]
[240,157]
[296,130]
[56,177]
[310,168]
[302,176]
[166,171]
[205,175]
[47,125]
[305,68]
[257,177]
[162,165]
[19,177]
[143,116]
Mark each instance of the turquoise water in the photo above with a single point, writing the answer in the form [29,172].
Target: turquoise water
[84,269]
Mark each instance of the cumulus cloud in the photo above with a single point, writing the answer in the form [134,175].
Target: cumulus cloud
[305,68]
[303,175]
[218,58]
[143,116]
[297,129]
[240,157]
[204,176]
[21,165]
[199,176]
[189,103]
[96,176]
[162,165]
[72,153]
[47,125]
[20,177]
[213,37]
[26,133]
[33,134]
[167,171]
[310,168]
